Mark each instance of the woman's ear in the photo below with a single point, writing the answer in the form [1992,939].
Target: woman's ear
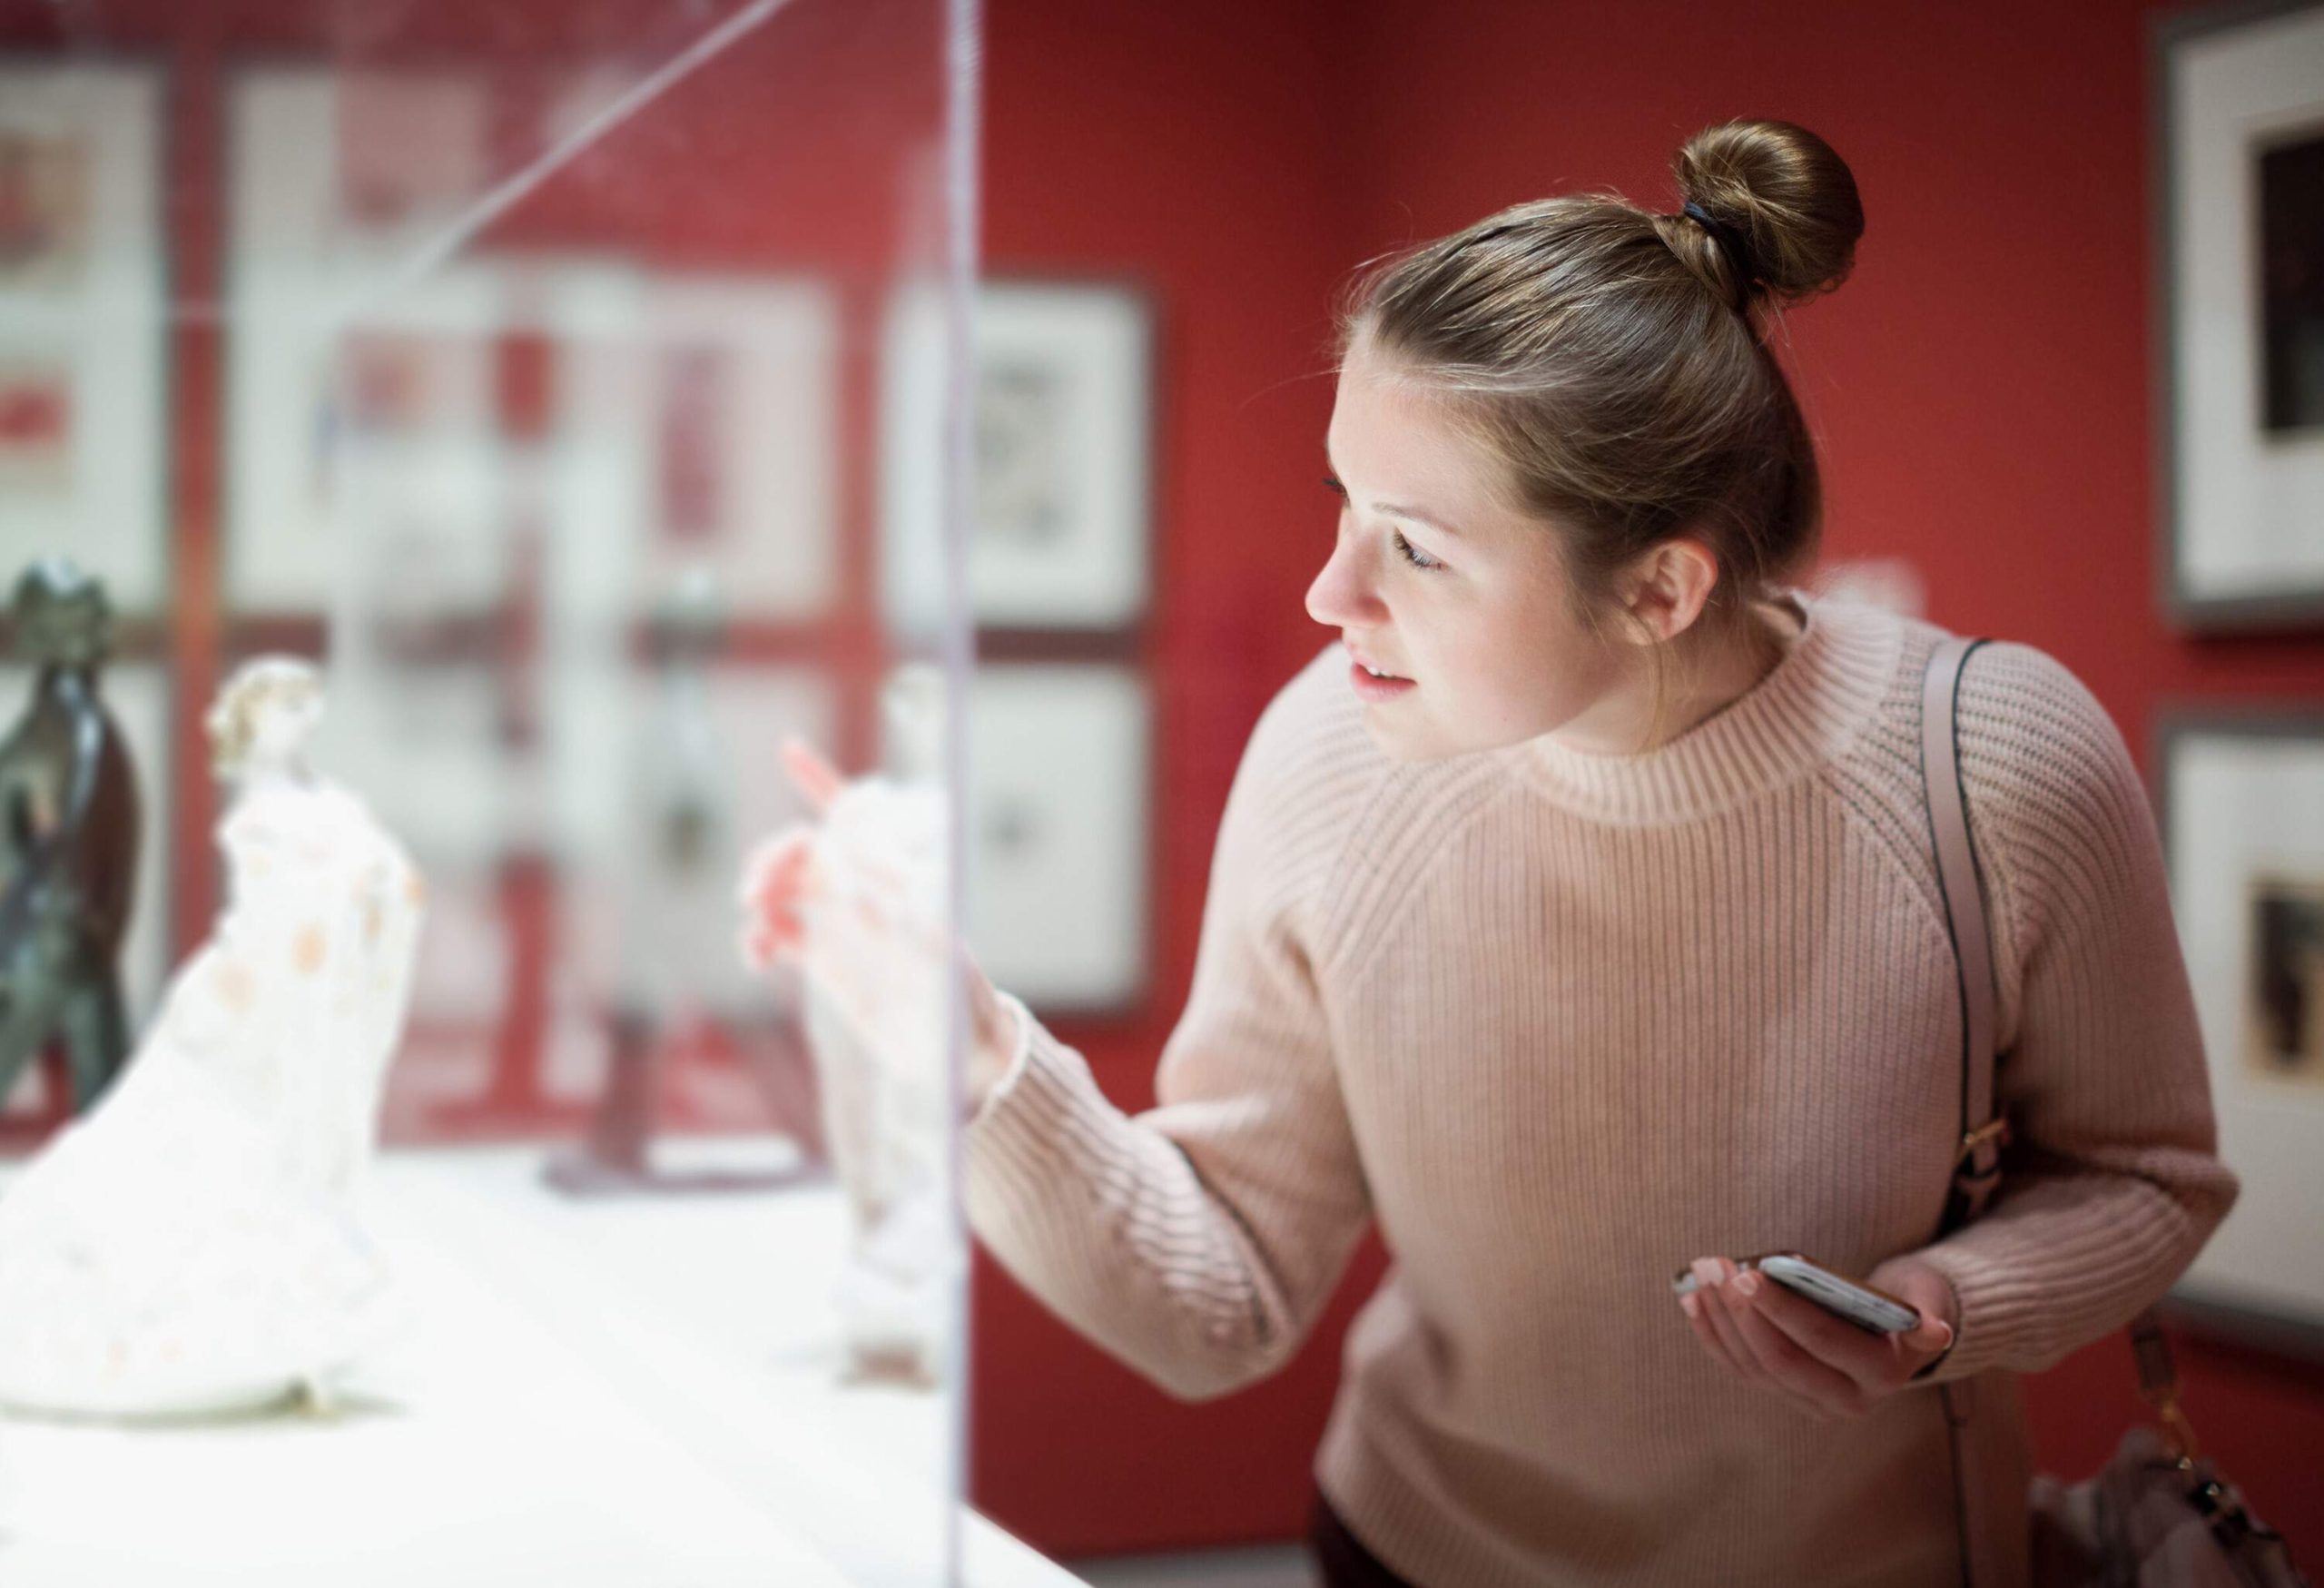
[1668,587]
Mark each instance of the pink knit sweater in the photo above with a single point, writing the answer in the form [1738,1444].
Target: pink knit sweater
[1560,1023]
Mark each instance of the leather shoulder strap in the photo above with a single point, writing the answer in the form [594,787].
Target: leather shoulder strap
[1977,1168]
[1978,1165]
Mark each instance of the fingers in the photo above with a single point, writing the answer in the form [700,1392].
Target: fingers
[1787,1364]
[1866,1361]
[1697,1307]
[1930,1294]
[773,865]
[1713,1319]
[1725,1313]
[776,878]
[816,778]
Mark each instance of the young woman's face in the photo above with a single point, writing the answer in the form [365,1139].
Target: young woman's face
[1435,579]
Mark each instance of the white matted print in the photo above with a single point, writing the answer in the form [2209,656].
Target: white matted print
[138,696]
[2242,240]
[1059,832]
[742,379]
[2244,808]
[83,327]
[694,426]
[1061,419]
[342,377]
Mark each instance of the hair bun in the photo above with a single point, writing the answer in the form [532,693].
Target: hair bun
[1782,191]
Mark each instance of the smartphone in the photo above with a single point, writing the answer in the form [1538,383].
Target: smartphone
[1874,1311]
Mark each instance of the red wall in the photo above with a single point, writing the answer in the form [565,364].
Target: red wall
[1981,391]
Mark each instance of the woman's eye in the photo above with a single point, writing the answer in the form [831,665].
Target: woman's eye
[1412,554]
[1404,548]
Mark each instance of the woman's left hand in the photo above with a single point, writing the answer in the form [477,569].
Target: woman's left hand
[1767,1336]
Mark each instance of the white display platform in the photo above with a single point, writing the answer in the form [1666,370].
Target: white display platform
[599,1394]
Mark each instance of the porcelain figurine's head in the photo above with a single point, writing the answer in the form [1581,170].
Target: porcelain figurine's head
[264,715]
[63,618]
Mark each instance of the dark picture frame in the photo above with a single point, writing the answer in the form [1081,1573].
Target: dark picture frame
[2239,800]
[2237,94]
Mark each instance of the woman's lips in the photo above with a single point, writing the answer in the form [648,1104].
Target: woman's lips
[1368,687]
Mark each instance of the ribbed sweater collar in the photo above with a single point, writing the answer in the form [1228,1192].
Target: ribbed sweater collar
[1808,709]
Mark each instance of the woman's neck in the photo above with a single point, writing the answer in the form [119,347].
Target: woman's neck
[1768,630]
[1699,686]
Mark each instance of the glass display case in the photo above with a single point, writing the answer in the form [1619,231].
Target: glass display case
[544,393]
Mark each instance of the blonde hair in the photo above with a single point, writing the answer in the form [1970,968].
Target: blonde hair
[233,720]
[1616,362]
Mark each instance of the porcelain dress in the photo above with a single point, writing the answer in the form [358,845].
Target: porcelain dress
[191,1246]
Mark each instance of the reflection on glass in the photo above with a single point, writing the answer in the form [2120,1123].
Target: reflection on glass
[529,377]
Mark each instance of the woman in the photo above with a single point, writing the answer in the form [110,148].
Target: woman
[1574,916]
[190,1248]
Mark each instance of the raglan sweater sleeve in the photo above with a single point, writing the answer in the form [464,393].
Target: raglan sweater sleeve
[1198,1241]
[2111,1183]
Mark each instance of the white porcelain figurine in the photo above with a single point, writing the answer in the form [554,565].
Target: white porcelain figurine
[191,1246]
[857,901]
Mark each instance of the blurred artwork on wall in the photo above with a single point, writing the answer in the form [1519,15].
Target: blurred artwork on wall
[1063,402]
[82,331]
[2242,806]
[2291,291]
[2286,987]
[1059,829]
[44,205]
[36,425]
[2239,238]
[741,389]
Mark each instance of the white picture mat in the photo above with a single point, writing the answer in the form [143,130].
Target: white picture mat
[138,695]
[2247,508]
[1094,343]
[2239,802]
[299,279]
[1063,923]
[108,328]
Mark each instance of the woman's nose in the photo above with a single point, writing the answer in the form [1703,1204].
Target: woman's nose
[1340,596]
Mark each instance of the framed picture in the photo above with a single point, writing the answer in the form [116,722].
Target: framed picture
[1061,510]
[350,393]
[1059,832]
[2239,251]
[2243,823]
[82,327]
[707,415]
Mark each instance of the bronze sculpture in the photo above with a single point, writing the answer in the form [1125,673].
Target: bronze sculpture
[68,841]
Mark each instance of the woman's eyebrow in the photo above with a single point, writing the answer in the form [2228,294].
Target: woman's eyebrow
[1410,514]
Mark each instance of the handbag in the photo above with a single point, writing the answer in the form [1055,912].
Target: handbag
[2158,1514]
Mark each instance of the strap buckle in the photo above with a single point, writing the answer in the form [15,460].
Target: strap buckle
[1995,1130]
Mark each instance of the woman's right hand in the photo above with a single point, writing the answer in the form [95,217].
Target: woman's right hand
[786,891]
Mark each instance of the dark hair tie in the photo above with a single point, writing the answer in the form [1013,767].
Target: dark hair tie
[1731,242]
